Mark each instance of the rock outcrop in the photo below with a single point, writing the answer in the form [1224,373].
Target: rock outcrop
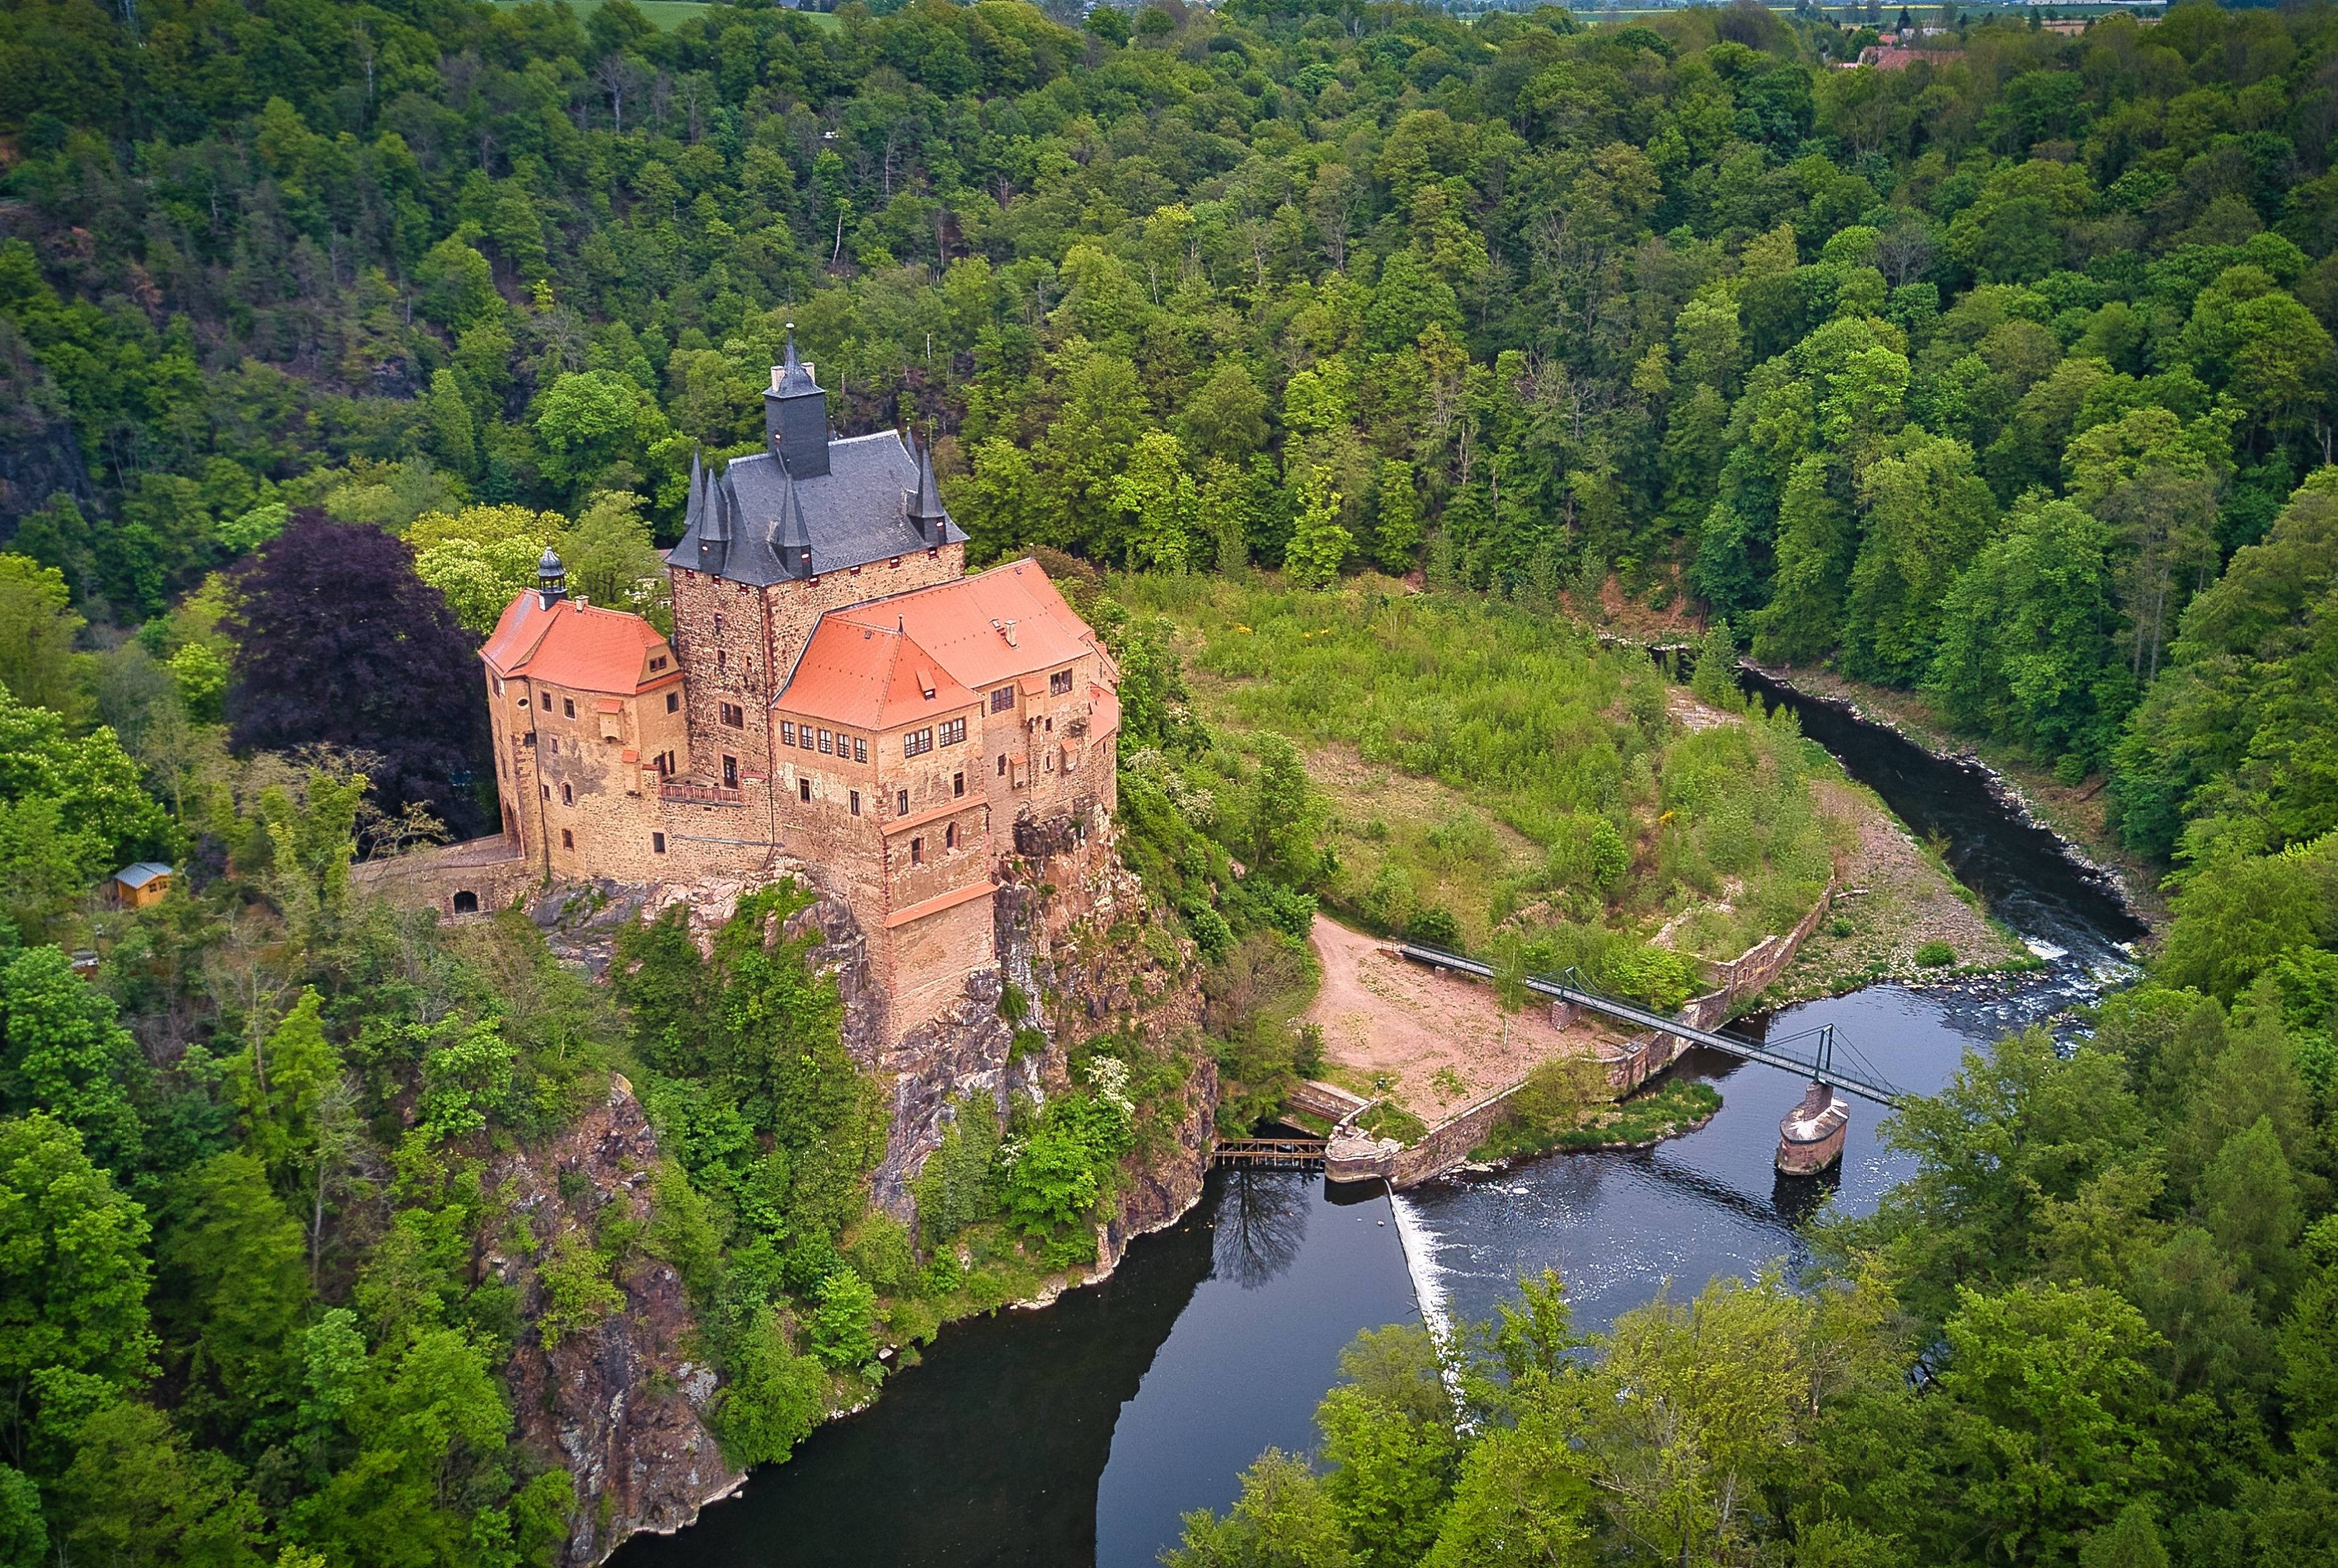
[620,1405]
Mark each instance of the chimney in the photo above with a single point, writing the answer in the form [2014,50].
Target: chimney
[795,416]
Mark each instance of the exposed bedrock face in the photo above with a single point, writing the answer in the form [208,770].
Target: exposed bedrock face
[619,1405]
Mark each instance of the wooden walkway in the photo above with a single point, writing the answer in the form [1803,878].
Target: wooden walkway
[1271,1154]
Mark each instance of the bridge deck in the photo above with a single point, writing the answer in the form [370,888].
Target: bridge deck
[1632,1013]
[1274,1153]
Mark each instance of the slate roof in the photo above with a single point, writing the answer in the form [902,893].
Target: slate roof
[753,522]
[582,647]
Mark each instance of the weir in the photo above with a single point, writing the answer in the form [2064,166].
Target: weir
[1810,1136]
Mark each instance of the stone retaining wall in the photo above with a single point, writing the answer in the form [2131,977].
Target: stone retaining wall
[484,875]
[1746,976]
[1447,1144]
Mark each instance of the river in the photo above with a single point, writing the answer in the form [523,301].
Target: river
[1080,1434]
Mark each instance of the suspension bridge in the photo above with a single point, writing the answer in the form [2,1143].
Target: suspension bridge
[1810,1136]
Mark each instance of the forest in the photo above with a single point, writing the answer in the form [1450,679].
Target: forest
[2004,379]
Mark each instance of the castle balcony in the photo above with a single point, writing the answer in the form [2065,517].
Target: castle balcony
[701,794]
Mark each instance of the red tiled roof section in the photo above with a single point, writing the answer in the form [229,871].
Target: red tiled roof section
[991,627]
[583,647]
[866,678]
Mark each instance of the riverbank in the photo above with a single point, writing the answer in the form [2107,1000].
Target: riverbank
[2076,814]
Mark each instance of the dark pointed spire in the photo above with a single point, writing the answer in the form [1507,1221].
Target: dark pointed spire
[790,535]
[723,501]
[926,514]
[795,377]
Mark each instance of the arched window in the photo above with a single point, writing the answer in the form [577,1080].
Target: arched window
[466,903]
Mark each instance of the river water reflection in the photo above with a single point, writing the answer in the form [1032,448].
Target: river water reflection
[1080,1434]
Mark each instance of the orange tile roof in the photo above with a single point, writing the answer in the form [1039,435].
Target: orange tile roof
[967,623]
[868,678]
[583,647]
[864,663]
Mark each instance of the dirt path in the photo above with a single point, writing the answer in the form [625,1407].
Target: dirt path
[1442,1041]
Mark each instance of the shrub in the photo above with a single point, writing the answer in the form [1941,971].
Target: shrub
[1658,976]
[1935,954]
[843,1332]
[773,1397]
[954,1189]
[1435,927]
[577,1290]
[1056,1177]
[880,1253]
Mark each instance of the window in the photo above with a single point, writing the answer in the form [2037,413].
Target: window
[856,802]
[555,745]
[718,625]
[673,701]
[548,791]
[569,707]
[949,836]
[916,742]
[900,803]
[722,660]
[860,748]
[657,843]
[734,716]
[1059,683]
[567,839]
[957,785]
[953,731]
[787,732]
[917,852]
[567,796]
[827,744]
[803,790]
[1002,699]
[466,903]
[1002,764]
[729,772]
[658,662]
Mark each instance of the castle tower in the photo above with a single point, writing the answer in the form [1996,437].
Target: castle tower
[795,416]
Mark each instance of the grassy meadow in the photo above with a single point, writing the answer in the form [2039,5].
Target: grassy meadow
[1491,774]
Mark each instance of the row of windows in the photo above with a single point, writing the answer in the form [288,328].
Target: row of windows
[830,743]
[917,742]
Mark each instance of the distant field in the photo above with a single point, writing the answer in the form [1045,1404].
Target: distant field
[665,15]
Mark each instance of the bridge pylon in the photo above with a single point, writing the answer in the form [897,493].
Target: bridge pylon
[1811,1135]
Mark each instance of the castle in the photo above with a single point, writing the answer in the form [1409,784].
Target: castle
[838,690]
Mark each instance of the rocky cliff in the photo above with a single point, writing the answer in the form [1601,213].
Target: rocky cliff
[620,1405]
[617,1405]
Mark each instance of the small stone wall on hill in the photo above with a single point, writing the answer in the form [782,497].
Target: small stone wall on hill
[1747,975]
[1447,1144]
[476,878]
